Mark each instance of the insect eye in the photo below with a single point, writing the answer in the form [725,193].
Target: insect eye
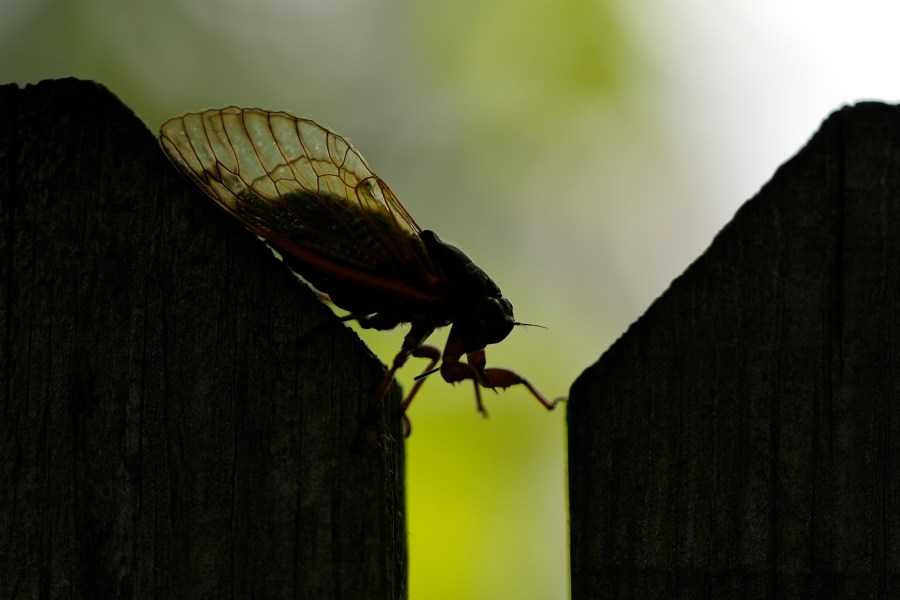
[495,320]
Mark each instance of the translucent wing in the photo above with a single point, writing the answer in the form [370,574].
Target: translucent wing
[308,192]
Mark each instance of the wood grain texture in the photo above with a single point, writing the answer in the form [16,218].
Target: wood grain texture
[179,414]
[742,439]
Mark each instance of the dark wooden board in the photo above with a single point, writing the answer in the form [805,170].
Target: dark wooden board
[742,439]
[178,415]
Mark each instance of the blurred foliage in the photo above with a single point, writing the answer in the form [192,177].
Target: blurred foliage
[522,63]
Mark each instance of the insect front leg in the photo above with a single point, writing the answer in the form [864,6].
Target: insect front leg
[454,371]
[503,378]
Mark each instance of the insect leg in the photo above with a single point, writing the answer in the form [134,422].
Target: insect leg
[412,346]
[478,403]
[433,355]
[503,378]
[453,371]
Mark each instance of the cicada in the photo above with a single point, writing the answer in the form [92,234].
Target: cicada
[306,191]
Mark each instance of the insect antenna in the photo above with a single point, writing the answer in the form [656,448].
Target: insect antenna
[528,325]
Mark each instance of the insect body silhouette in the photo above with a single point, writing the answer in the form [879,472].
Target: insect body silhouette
[311,195]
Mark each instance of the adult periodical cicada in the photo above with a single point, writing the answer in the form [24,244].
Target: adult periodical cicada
[312,196]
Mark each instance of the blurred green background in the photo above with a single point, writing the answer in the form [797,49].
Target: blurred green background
[582,152]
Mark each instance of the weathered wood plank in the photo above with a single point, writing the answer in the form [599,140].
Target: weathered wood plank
[742,439]
[179,415]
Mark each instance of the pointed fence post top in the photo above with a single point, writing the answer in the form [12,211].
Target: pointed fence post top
[180,414]
[740,440]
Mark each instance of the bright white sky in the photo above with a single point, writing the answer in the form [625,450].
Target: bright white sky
[744,84]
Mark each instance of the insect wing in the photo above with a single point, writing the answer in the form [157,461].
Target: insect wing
[307,191]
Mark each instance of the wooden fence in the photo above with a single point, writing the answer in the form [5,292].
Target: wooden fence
[180,418]
[742,439]
[178,414]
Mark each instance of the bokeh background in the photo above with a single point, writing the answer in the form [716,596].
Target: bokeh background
[583,152]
